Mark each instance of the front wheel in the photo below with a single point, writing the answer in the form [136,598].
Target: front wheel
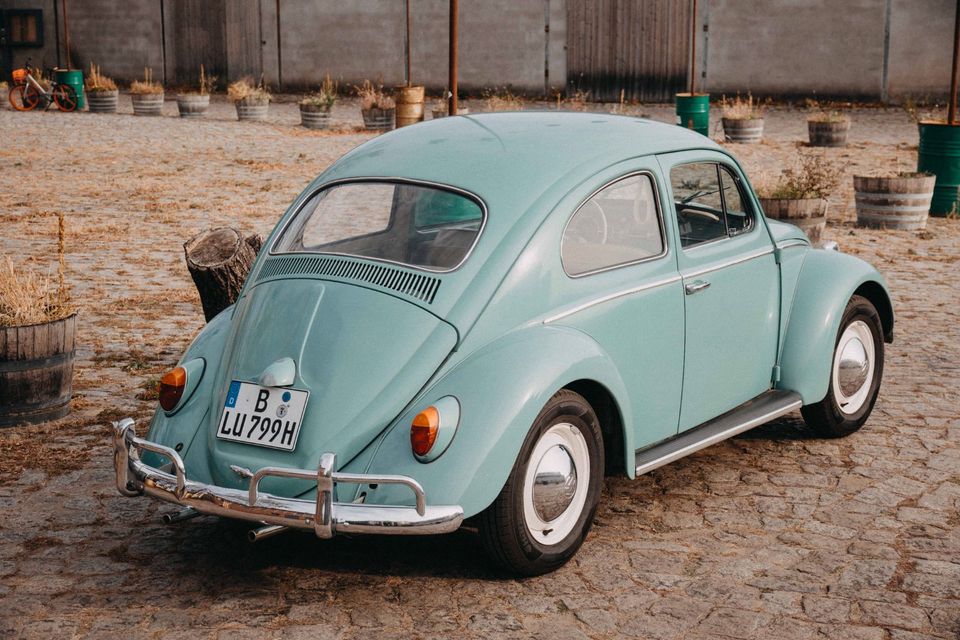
[546,507]
[23,97]
[66,97]
[855,373]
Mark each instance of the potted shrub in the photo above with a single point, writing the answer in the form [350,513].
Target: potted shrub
[828,129]
[194,104]
[102,92]
[742,119]
[376,107]
[251,100]
[800,195]
[147,95]
[441,105]
[898,201]
[315,107]
[37,327]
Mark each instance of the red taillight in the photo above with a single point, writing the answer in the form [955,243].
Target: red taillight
[423,431]
[171,388]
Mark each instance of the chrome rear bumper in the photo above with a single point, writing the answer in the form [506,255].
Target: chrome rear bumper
[323,516]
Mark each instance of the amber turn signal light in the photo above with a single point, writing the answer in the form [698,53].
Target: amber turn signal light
[423,431]
[171,388]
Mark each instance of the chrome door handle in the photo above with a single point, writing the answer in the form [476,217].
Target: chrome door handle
[695,286]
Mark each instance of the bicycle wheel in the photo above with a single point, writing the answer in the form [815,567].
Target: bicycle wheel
[66,97]
[23,97]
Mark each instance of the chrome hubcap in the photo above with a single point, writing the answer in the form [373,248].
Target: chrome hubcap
[554,483]
[853,367]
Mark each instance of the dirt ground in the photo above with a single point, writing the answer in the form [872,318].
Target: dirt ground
[774,534]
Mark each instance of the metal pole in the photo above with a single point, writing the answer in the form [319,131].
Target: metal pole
[406,69]
[279,51]
[452,104]
[66,35]
[693,48]
[955,74]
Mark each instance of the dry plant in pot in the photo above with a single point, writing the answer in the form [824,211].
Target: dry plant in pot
[315,107]
[827,128]
[894,201]
[800,195]
[742,119]
[37,328]
[502,100]
[251,100]
[147,95]
[4,89]
[194,103]
[376,107]
[102,92]
[441,106]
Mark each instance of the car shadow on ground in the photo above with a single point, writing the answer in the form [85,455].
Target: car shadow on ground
[790,427]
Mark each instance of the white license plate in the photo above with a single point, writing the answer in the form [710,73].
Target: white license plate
[264,416]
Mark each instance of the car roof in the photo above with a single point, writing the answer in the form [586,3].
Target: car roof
[505,158]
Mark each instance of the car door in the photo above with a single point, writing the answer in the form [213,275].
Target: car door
[731,286]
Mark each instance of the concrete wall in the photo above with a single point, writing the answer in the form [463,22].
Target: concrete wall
[502,42]
[869,49]
[121,37]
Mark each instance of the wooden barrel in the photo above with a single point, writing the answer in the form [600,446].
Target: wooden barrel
[900,202]
[253,111]
[810,214]
[828,134]
[103,101]
[378,119]
[147,104]
[36,371]
[193,105]
[409,105]
[743,130]
[314,117]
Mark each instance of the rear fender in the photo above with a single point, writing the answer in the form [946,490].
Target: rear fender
[501,389]
[826,283]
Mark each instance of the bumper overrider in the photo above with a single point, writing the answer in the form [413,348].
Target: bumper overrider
[323,516]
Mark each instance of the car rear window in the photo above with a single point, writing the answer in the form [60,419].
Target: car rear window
[412,224]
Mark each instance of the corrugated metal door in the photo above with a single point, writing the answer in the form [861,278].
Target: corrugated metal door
[195,34]
[639,47]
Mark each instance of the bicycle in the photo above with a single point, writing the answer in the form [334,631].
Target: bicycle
[27,93]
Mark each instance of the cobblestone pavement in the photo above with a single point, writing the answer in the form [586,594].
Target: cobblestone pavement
[775,534]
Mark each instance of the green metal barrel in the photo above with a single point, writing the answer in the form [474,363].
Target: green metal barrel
[940,155]
[74,78]
[693,112]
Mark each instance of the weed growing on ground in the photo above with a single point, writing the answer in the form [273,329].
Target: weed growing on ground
[502,100]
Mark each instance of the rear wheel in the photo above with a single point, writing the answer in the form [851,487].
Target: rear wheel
[546,507]
[855,373]
[66,97]
[23,97]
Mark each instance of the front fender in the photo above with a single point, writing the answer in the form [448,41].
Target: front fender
[501,389]
[826,283]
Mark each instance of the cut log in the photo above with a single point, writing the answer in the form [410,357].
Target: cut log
[219,261]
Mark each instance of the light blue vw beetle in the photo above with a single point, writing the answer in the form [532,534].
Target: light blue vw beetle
[479,317]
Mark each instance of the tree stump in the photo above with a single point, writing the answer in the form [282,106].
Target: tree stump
[219,261]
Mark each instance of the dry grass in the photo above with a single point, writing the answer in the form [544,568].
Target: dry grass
[325,96]
[244,90]
[146,86]
[26,297]
[740,108]
[813,177]
[829,116]
[96,81]
[373,96]
[502,100]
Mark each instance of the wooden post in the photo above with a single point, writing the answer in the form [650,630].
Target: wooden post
[66,35]
[452,104]
[406,68]
[693,49]
[955,73]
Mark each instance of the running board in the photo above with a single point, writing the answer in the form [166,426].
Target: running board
[753,413]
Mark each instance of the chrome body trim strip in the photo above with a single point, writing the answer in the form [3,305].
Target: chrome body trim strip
[323,516]
[793,242]
[762,409]
[729,263]
[612,296]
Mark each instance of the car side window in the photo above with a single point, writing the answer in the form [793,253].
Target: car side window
[708,203]
[618,225]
